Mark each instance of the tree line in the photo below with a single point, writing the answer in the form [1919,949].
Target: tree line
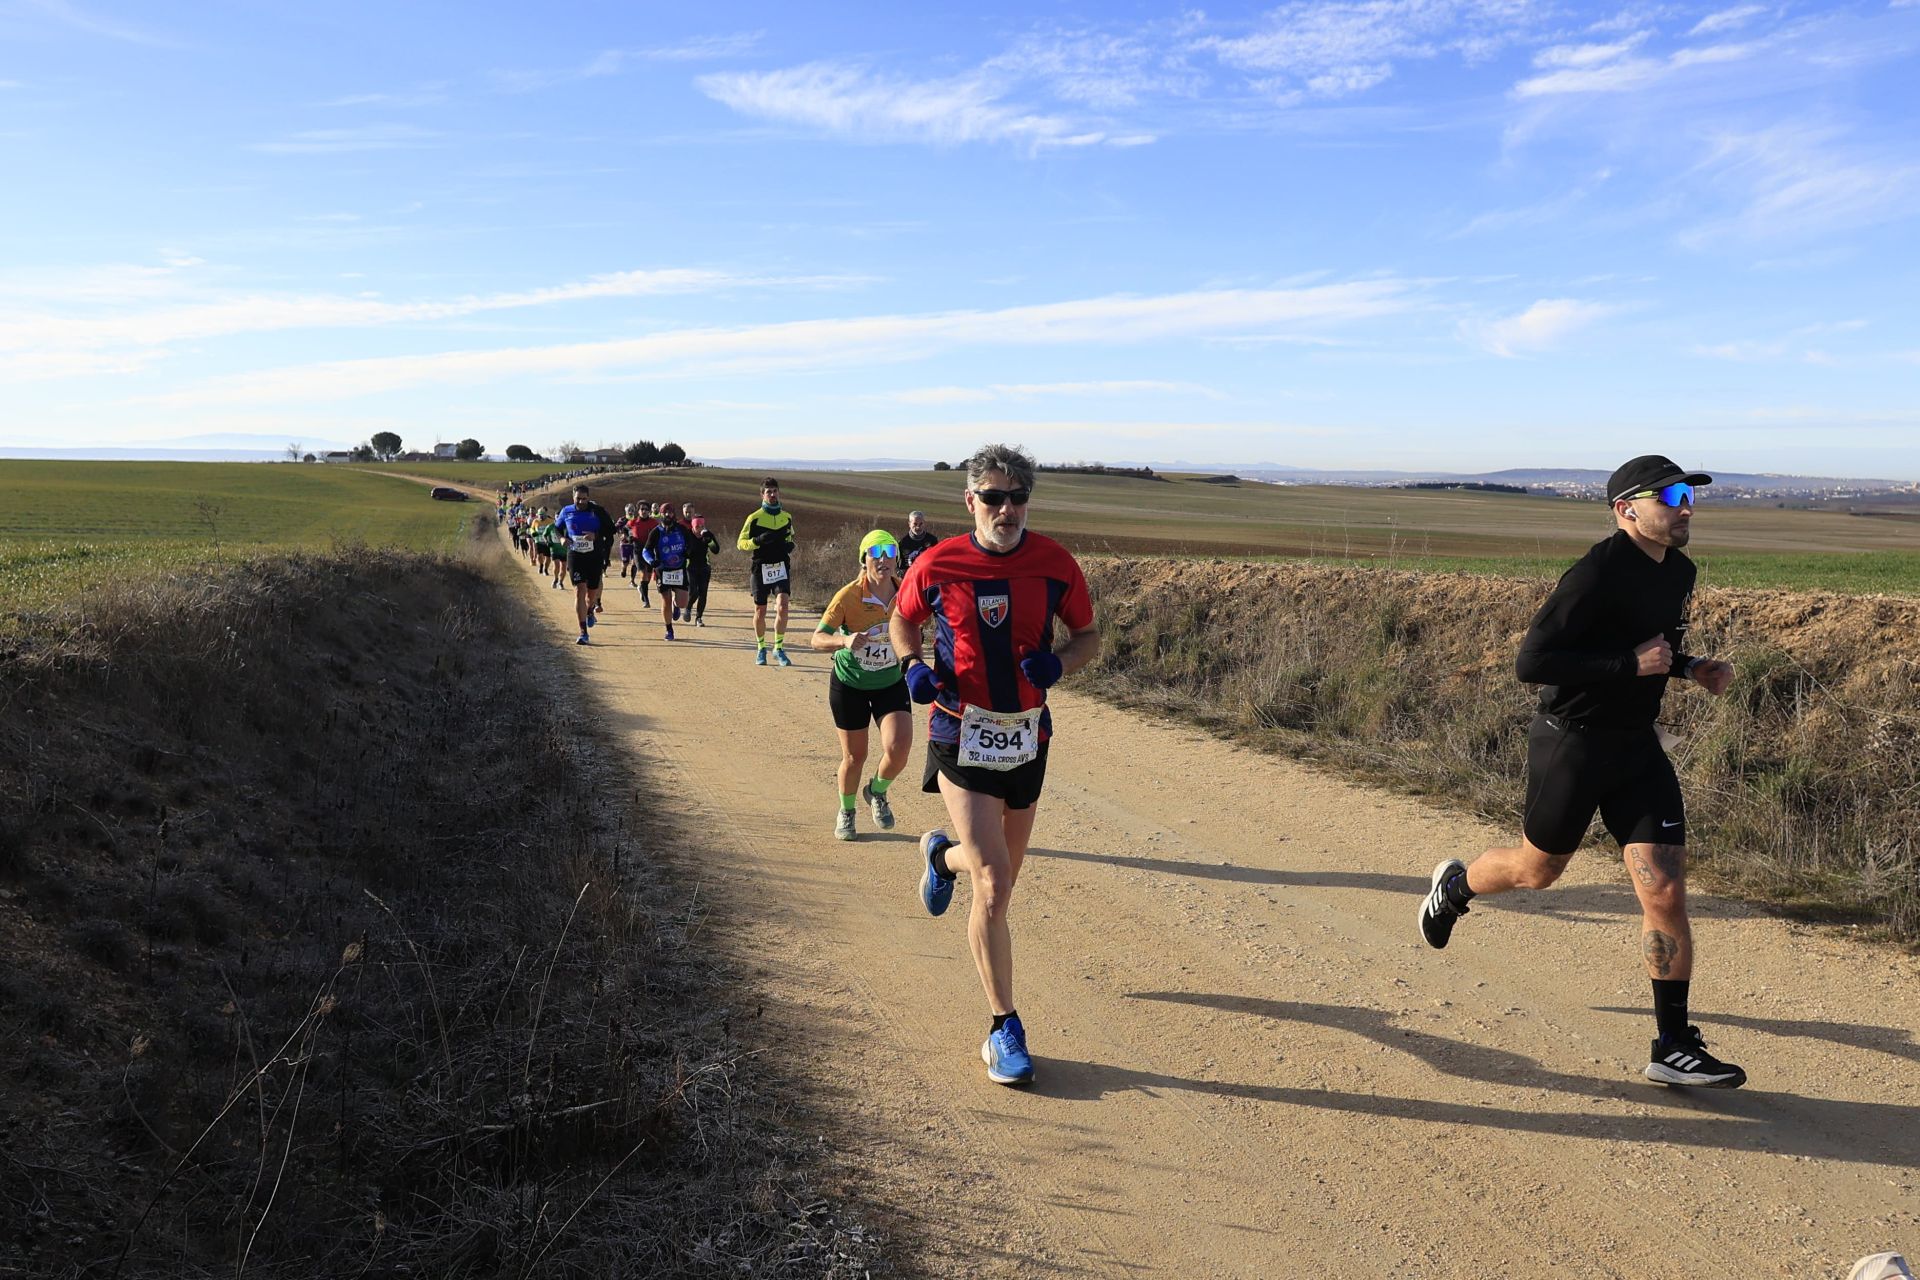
[387,446]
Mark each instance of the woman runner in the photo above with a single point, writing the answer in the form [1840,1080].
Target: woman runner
[866,683]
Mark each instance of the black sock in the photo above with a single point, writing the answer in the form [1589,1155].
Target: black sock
[940,867]
[1000,1019]
[1670,1006]
[1455,889]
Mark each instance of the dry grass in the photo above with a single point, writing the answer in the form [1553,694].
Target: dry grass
[331,950]
[1803,783]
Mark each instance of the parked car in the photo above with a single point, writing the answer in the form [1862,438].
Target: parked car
[444,494]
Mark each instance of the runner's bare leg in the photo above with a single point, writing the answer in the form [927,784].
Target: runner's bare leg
[991,847]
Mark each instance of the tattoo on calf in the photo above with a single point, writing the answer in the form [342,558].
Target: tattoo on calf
[1661,950]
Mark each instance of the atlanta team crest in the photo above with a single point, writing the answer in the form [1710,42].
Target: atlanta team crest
[993,610]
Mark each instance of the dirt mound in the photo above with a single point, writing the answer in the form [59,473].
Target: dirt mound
[1803,783]
[329,946]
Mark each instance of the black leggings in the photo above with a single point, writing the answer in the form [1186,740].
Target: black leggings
[699,578]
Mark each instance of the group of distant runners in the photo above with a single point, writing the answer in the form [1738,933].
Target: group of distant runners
[1011,616]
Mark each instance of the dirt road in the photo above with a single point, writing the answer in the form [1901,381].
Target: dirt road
[1248,1065]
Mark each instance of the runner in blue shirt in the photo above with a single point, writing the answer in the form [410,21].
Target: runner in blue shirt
[587,531]
[665,552]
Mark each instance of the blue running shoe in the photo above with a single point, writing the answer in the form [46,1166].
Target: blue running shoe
[582,639]
[936,890]
[1005,1053]
[590,621]
[780,657]
[669,633]
[676,615]
[760,658]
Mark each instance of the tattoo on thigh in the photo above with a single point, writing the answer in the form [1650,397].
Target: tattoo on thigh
[1661,950]
[1671,860]
[1642,871]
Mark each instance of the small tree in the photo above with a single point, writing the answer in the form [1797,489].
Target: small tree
[672,454]
[386,444]
[567,451]
[519,453]
[469,449]
[309,458]
[943,466]
[293,451]
[362,452]
[643,453]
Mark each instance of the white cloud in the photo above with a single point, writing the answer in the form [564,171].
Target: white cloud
[1586,55]
[1727,19]
[1621,74]
[1802,179]
[852,101]
[372,137]
[1335,49]
[1543,325]
[1101,70]
[1032,390]
[425,95]
[43,333]
[812,344]
[613,62]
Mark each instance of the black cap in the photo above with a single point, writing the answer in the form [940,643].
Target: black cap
[1647,472]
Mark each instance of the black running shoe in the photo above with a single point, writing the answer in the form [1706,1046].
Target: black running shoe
[1437,912]
[1685,1060]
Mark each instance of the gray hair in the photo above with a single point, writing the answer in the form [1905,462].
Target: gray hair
[1001,457]
[916,515]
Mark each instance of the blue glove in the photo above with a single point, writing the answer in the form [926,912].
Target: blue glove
[922,683]
[1042,670]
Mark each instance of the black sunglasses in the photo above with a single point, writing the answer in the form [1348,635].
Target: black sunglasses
[1001,497]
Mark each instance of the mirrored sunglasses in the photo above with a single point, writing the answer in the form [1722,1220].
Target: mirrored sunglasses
[1672,495]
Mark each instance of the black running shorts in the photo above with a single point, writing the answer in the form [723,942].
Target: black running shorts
[854,709]
[1020,787]
[1623,773]
[584,569]
[763,591]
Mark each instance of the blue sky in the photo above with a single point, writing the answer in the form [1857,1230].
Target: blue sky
[1461,233]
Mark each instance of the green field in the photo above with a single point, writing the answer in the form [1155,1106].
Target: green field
[1741,544]
[73,525]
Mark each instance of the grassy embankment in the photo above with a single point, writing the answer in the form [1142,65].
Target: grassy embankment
[329,949]
[1802,783]
[1738,544]
[73,526]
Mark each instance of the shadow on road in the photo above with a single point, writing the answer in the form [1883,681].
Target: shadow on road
[1898,1041]
[1567,902]
[1733,1120]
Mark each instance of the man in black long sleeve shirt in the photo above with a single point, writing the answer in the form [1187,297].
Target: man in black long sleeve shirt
[1604,647]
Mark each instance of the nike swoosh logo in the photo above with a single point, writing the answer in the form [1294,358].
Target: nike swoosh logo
[1669,824]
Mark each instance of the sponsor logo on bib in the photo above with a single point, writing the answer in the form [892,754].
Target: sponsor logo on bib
[993,610]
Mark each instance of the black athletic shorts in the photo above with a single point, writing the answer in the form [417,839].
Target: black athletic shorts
[1020,787]
[1623,773]
[854,709]
[762,592]
[584,568]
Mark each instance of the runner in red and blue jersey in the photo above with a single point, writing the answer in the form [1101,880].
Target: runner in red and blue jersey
[993,597]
